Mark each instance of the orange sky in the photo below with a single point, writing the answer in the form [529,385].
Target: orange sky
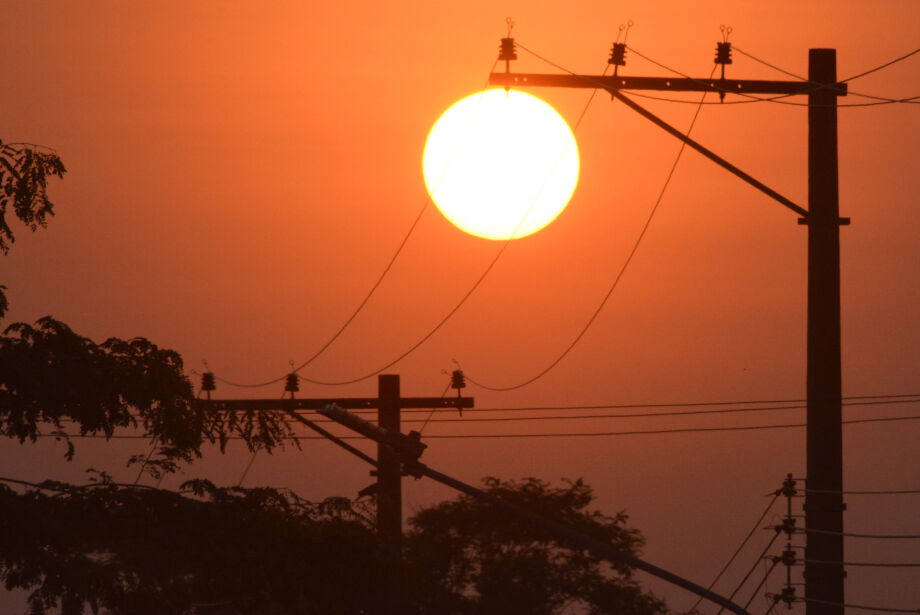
[239,175]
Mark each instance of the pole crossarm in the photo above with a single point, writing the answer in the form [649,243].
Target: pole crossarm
[663,84]
[355,403]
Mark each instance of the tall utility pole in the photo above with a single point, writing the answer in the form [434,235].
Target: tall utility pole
[824,574]
[824,506]
[389,463]
[389,492]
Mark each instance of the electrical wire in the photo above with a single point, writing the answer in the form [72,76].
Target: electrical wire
[772,606]
[252,460]
[366,299]
[573,417]
[153,447]
[619,276]
[551,434]
[466,296]
[611,406]
[773,99]
[864,564]
[857,606]
[873,492]
[760,585]
[738,550]
[852,535]
[369,294]
[753,568]
[849,92]
[431,413]
[881,66]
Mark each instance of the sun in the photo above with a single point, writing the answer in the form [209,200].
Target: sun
[501,164]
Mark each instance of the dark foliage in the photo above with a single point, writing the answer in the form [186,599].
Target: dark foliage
[24,172]
[467,557]
[143,551]
[50,376]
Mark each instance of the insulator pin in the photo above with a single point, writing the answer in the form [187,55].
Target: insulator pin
[207,382]
[618,55]
[723,53]
[292,385]
[508,50]
[788,595]
[457,381]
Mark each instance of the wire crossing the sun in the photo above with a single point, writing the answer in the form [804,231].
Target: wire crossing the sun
[442,322]
[620,273]
[877,100]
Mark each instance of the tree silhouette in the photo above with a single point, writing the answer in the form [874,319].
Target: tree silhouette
[24,172]
[467,557]
[49,374]
[143,551]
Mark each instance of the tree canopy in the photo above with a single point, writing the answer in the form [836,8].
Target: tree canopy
[142,551]
[467,557]
[124,549]
[49,374]
[24,172]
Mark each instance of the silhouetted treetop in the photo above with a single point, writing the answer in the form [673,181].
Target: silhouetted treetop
[468,557]
[52,378]
[145,551]
[24,172]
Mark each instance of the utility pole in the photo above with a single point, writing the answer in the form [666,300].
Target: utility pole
[824,575]
[389,492]
[824,506]
[389,463]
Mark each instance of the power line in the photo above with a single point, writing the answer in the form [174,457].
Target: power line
[881,66]
[623,268]
[762,581]
[670,431]
[369,294]
[468,294]
[879,402]
[852,535]
[574,417]
[738,550]
[772,606]
[431,412]
[774,99]
[615,406]
[753,568]
[872,492]
[864,564]
[858,606]
[547,435]
[786,72]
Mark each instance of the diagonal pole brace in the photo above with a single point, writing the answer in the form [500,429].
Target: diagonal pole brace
[722,162]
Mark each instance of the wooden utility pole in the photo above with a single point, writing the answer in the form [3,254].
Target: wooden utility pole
[824,574]
[389,464]
[824,506]
[389,493]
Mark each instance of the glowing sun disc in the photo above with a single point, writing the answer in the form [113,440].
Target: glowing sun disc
[500,164]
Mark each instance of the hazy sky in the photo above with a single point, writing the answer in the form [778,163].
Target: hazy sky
[240,173]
